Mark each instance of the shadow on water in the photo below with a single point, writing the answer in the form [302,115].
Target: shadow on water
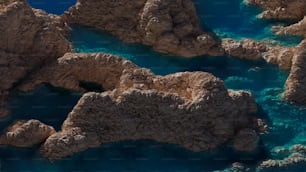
[48,104]
[126,156]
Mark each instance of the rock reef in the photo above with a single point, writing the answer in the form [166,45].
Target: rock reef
[168,26]
[294,161]
[26,133]
[29,38]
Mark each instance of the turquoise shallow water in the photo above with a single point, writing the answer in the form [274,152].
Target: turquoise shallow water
[235,19]
[265,81]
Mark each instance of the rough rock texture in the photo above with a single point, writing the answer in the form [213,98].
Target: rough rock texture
[168,26]
[69,70]
[246,140]
[295,161]
[245,49]
[29,38]
[298,29]
[281,9]
[296,83]
[194,110]
[281,56]
[254,50]
[26,133]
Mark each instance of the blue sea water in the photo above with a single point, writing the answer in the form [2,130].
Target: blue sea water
[235,19]
[52,6]
[266,82]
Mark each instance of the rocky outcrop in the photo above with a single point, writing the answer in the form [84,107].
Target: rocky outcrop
[29,38]
[245,49]
[147,114]
[295,161]
[298,29]
[281,9]
[255,50]
[26,133]
[168,26]
[194,110]
[280,56]
[296,83]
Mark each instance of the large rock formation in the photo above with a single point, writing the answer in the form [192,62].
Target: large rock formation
[168,26]
[281,9]
[296,83]
[26,133]
[29,38]
[191,109]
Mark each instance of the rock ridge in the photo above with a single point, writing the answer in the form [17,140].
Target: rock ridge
[192,109]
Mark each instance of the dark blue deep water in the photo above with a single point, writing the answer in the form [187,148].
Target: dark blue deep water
[229,18]
[52,6]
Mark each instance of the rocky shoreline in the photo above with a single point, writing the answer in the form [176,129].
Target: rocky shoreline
[191,109]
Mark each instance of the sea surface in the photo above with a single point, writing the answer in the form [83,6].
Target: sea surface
[229,18]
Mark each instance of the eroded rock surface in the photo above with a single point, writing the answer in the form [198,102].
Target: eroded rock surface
[281,9]
[192,109]
[168,26]
[296,83]
[26,133]
[29,38]
[298,29]
[245,49]
[255,50]
[280,56]
[246,140]
[69,70]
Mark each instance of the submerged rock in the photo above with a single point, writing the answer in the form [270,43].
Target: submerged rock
[168,26]
[26,133]
[29,39]
[296,161]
